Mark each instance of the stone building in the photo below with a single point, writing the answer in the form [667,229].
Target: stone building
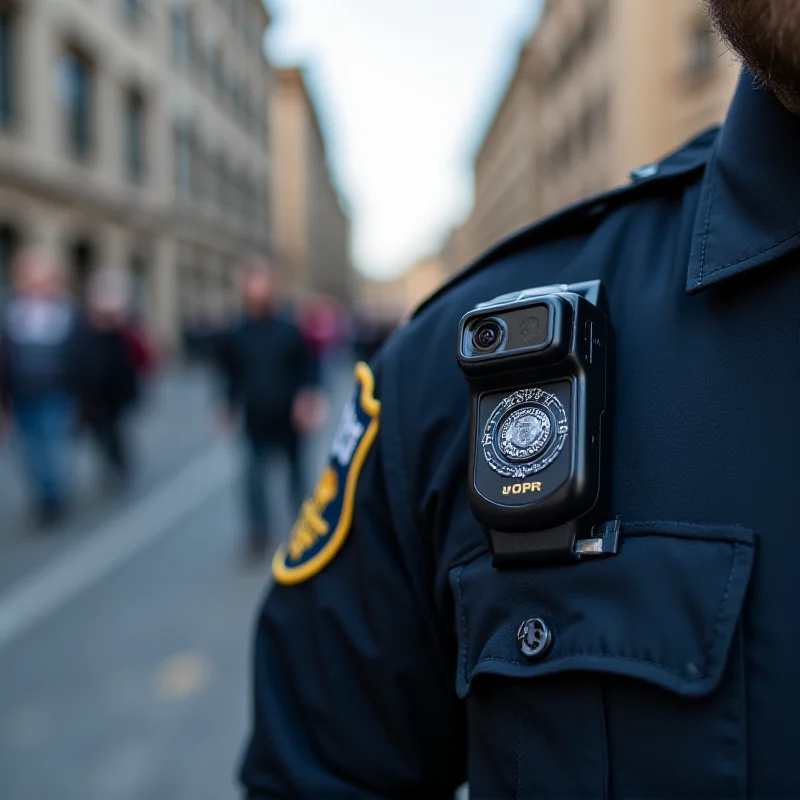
[312,229]
[134,135]
[600,88]
[389,301]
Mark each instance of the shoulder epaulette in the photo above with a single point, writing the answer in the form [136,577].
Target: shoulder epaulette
[680,166]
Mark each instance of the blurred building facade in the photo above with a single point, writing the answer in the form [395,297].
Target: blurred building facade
[312,230]
[387,302]
[134,134]
[600,88]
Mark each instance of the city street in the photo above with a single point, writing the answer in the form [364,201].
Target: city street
[125,635]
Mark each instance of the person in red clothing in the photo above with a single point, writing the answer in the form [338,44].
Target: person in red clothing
[141,349]
[321,325]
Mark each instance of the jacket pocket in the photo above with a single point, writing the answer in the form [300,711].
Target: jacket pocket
[640,692]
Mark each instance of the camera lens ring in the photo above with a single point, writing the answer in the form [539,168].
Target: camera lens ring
[487,335]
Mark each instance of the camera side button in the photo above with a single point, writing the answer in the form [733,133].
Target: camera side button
[586,344]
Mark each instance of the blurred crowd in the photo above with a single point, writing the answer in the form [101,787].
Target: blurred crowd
[68,368]
[82,367]
[325,324]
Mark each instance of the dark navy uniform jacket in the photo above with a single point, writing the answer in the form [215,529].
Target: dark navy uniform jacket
[387,662]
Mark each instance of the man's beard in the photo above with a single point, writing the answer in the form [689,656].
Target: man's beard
[766,34]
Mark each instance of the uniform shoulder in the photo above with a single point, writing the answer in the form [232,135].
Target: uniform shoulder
[681,168]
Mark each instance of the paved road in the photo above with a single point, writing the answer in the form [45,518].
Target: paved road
[124,637]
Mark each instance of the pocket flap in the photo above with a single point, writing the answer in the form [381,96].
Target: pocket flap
[663,610]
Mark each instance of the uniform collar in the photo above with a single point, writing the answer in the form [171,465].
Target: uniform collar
[749,209]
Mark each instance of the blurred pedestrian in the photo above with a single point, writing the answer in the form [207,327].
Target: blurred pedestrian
[321,325]
[142,348]
[107,369]
[271,383]
[37,377]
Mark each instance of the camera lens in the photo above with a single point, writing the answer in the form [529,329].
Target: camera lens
[487,336]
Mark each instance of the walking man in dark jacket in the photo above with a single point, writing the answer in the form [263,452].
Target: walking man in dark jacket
[270,380]
[109,383]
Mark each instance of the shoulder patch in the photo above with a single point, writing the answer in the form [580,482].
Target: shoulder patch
[326,517]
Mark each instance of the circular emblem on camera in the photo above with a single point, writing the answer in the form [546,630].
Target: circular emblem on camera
[525,433]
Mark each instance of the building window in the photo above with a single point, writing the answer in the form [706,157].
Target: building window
[135,135]
[183,161]
[76,90]
[9,241]
[7,72]
[140,285]
[82,260]
[703,50]
[134,10]
[181,36]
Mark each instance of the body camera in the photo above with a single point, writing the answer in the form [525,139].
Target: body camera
[538,364]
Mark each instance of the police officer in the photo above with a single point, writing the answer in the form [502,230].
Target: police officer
[395,658]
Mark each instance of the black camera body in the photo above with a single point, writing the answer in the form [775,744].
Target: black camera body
[538,363]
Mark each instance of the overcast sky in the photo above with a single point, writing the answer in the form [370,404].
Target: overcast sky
[405,89]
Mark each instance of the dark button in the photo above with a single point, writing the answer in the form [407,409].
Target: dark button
[534,638]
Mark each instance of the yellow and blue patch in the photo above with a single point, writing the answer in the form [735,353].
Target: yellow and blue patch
[327,516]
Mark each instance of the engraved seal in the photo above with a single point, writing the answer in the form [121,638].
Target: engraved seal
[525,433]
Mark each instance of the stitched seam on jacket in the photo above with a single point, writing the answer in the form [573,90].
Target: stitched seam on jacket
[710,197]
[464,629]
[766,249]
[723,603]
[680,524]
[567,656]
[737,261]
[727,532]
